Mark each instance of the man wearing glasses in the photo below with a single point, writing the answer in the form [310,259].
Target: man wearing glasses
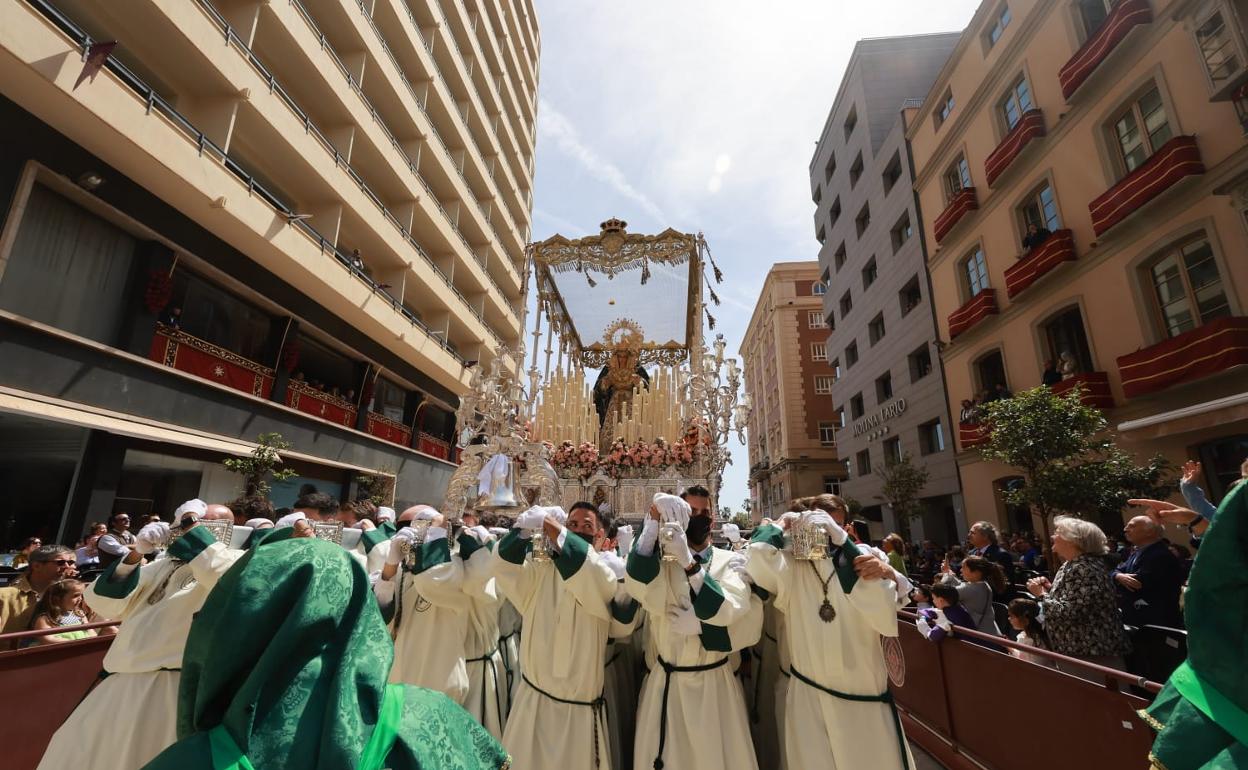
[115,544]
[48,564]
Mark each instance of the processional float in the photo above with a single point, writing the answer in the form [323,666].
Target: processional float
[633,403]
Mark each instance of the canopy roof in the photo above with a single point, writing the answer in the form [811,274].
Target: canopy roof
[593,287]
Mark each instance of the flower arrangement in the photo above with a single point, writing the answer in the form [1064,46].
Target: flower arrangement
[621,459]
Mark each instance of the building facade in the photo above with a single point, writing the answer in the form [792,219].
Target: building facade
[789,381]
[1082,169]
[888,387]
[223,219]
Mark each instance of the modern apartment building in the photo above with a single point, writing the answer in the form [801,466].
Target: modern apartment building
[1117,131]
[888,386]
[788,377]
[223,218]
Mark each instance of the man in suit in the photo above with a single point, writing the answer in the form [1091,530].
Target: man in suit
[1150,579]
[983,539]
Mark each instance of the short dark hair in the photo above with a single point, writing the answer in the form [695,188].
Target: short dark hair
[45,553]
[589,507]
[320,501]
[113,516]
[697,490]
[948,593]
[250,507]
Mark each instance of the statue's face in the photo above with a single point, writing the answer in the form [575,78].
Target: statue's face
[622,359]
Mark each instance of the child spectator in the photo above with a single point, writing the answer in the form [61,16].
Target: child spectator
[921,595]
[1025,619]
[61,606]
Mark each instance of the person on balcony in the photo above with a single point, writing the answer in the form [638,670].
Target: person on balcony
[838,706]
[1051,375]
[155,603]
[1067,365]
[1035,236]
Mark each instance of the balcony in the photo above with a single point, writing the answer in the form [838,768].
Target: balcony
[425,442]
[309,400]
[1030,126]
[1172,162]
[1094,386]
[396,433]
[962,204]
[1058,248]
[1204,351]
[972,434]
[178,350]
[977,309]
[1125,16]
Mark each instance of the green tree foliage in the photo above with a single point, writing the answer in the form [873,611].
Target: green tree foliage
[902,484]
[261,465]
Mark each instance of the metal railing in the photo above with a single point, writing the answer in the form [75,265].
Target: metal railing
[206,146]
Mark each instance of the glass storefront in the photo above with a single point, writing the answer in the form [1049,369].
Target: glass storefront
[38,460]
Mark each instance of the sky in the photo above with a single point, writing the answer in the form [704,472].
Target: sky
[701,115]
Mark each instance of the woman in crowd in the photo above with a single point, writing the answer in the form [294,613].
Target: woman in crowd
[895,547]
[980,579]
[1080,605]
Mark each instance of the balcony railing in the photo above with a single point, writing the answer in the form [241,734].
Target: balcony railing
[1201,352]
[972,434]
[1174,160]
[975,310]
[391,430]
[178,350]
[432,445]
[1056,249]
[959,206]
[1030,126]
[1093,389]
[1125,16]
[320,404]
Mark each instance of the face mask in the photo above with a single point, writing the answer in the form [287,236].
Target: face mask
[579,536]
[698,529]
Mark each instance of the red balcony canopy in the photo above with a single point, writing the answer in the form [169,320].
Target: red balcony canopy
[1029,126]
[1058,248]
[1125,16]
[1203,351]
[1174,160]
[977,309]
[962,204]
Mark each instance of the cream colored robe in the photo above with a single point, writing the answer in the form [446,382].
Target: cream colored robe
[487,677]
[431,619]
[565,606]
[144,661]
[509,628]
[822,730]
[707,725]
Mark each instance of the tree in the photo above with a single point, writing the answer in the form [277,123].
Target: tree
[1068,460]
[743,520]
[260,465]
[903,482]
[747,505]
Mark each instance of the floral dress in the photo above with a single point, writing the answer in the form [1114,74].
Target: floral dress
[1081,611]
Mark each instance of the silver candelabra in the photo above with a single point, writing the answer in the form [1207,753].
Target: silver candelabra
[712,386]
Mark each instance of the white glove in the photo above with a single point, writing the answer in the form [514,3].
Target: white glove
[786,520]
[684,621]
[151,537]
[678,546]
[531,519]
[560,515]
[404,537]
[819,518]
[732,533]
[426,514]
[612,560]
[498,531]
[479,533]
[624,538]
[737,564]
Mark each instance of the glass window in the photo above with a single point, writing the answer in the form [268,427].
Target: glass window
[1093,14]
[831,485]
[998,25]
[1187,287]
[1017,102]
[957,177]
[1040,209]
[850,122]
[851,354]
[839,257]
[876,328]
[1064,335]
[855,171]
[834,213]
[945,108]
[869,274]
[823,384]
[818,288]
[863,220]
[1142,129]
[931,438]
[892,173]
[856,407]
[990,372]
[819,351]
[920,364]
[827,433]
[883,387]
[1217,48]
[829,168]
[217,316]
[863,461]
[901,232]
[975,271]
[910,296]
[815,320]
[846,303]
[892,451]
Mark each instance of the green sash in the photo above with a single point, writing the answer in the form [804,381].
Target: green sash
[1211,703]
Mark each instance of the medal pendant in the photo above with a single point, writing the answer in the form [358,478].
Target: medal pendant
[826,612]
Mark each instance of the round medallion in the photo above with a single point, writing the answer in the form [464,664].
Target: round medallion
[894,660]
[827,613]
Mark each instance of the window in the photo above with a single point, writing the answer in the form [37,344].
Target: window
[388,398]
[1093,14]
[839,258]
[920,363]
[1064,336]
[814,320]
[1220,461]
[827,433]
[975,272]
[875,330]
[840,417]
[944,108]
[957,177]
[997,28]
[851,354]
[1241,109]
[869,274]
[856,408]
[829,168]
[1040,209]
[817,195]
[901,232]
[863,220]
[863,462]
[821,235]
[1016,102]
[836,367]
[850,122]
[847,304]
[892,451]
[892,173]
[910,296]
[834,213]
[855,171]
[1217,49]
[1187,289]
[931,438]
[831,485]
[1141,129]
[990,371]
[883,387]
[818,351]
[823,384]
[818,289]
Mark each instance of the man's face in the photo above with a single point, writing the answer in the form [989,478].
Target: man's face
[61,566]
[1139,530]
[583,522]
[470,519]
[700,506]
[121,523]
[977,537]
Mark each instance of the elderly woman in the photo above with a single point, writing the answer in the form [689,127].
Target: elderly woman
[1080,608]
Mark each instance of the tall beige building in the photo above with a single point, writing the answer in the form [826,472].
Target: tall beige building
[229,217]
[792,442]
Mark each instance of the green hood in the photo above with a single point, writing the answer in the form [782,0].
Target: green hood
[290,657]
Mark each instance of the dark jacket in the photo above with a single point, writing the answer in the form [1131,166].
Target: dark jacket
[1161,574]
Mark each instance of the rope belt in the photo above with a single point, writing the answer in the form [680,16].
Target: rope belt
[668,670]
[598,705]
[508,665]
[885,697]
[498,698]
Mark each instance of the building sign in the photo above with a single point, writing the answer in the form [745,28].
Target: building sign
[887,412]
